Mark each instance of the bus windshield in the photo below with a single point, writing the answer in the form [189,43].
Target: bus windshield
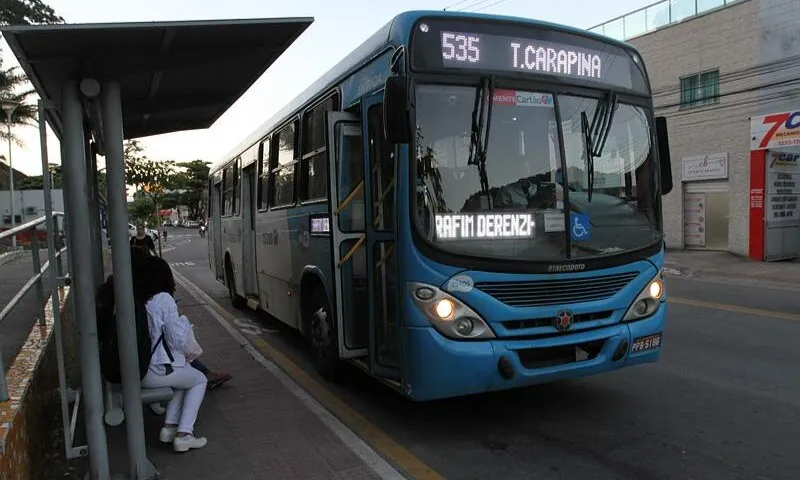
[511,203]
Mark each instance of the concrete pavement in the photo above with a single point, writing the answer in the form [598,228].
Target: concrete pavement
[694,263]
[259,425]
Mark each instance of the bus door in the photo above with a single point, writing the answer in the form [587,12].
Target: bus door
[215,219]
[249,285]
[346,184]
[379,191]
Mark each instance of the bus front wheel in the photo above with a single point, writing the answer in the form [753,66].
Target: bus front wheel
[323,335]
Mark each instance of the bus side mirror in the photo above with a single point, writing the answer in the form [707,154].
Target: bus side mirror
[395,110]
[663,155]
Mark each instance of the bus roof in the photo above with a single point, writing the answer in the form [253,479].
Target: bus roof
[396,32]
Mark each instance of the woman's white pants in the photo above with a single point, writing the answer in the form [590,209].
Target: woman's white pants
[190,388]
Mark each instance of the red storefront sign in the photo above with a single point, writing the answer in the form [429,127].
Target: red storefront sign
[757,182]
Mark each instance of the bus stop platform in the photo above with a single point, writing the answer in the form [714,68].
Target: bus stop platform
[259,425]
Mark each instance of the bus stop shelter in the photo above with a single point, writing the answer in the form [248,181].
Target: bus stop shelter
[99,85]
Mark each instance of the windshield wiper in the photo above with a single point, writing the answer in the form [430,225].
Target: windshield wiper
[479,140]
[596,134]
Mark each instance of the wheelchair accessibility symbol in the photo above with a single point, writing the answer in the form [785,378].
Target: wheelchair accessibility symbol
[579,226]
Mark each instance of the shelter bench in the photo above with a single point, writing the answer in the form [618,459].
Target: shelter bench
[113,404]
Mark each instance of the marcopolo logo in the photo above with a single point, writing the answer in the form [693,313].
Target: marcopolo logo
[513,98]
[566,267]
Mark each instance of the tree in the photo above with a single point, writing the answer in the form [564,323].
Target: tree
[191,183]
[141,210]
[13,83]
[27,12]
[14,86]
[151,178]
[37,182]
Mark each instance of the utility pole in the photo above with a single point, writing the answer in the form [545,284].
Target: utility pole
[9,106]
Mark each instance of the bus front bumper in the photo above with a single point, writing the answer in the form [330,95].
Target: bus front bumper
[438,367]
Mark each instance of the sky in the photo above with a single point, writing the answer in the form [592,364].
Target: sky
[339,27]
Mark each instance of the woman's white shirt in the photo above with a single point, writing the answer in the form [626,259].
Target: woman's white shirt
[163,317]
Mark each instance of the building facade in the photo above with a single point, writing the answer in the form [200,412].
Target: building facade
[726,74]
[28,205]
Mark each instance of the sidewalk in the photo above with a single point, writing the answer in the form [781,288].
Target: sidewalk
[695,263]
[257,428]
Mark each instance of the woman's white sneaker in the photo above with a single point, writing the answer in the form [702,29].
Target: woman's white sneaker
[167,434]
[183,444]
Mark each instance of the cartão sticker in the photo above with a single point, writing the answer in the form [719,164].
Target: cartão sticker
[460,283]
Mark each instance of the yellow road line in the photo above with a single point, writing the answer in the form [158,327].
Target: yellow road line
[369,432]
[735,308]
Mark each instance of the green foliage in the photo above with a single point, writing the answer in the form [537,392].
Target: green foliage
[141,210]
[14,84]
[149,176]
[27,12]
[37,182]
[190,187]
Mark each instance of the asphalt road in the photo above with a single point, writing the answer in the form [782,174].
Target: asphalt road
[722,403]
[15,328]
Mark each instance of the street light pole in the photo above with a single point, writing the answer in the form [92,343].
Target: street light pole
[9,106]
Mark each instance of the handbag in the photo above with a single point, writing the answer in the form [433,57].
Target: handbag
[192,349]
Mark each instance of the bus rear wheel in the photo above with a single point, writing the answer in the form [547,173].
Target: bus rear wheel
[236,300]
[323,335]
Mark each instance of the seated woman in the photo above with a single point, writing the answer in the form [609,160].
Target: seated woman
[105,297]
[154,285]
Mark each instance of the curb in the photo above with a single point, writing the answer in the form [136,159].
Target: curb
[11,256]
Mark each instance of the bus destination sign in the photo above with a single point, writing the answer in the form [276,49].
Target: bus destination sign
[481,51]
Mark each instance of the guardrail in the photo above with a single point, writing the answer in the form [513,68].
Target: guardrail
[56,247]
[658,15]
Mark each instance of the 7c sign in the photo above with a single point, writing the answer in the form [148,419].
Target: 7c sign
[775,130]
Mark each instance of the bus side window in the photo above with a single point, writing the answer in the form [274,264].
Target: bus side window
[237,186]
[227,191]
[263,174]
[284,167]
[382,163]
[314,162]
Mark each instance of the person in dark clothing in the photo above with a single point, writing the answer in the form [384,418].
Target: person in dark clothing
[142,239]
[106,296]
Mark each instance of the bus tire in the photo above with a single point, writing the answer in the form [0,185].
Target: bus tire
[323,335]
[236,300]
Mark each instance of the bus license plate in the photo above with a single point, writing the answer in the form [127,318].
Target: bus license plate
[649,342]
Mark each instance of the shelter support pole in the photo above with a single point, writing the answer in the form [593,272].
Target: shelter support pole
[77,210]
[52,232]
[94,218]
[140,466]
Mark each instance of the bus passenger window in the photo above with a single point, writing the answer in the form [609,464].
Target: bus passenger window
[263,173]
[237,182]
[382,161]
[227,192]
[283,174]
[314,162]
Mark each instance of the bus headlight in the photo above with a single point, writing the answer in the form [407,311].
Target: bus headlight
[647,301]
[449,315]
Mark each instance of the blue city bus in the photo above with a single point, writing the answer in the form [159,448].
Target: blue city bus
[466,203]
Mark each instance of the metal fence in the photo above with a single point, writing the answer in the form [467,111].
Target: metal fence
[50,276]
[55,247]
[658,15]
